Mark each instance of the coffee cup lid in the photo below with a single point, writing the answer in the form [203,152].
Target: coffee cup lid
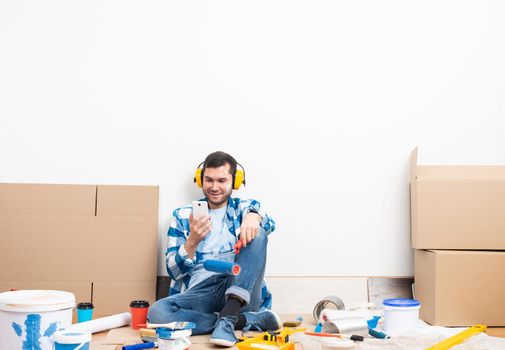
[139,303]
[85,306]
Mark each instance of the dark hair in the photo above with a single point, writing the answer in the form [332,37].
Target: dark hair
[218,159]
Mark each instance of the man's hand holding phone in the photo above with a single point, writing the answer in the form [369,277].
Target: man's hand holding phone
[199,226]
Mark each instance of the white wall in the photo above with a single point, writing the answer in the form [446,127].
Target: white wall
[321,101]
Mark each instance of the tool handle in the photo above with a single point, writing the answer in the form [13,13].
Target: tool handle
[357,338]
[237,247]
[140,346]
[377,334]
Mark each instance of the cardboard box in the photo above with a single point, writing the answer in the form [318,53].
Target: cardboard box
[460,288]
[73,237]
[457,207]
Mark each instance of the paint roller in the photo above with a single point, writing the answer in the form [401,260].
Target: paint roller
[221,267]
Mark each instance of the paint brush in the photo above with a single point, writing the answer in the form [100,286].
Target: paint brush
[171,325]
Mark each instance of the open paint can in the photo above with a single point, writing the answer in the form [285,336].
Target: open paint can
[71,340]
[29,318]
[401,314]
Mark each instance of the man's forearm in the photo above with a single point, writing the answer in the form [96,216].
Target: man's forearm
[190,248]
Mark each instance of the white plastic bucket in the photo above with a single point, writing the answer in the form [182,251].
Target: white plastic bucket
[401,314]
[71,340]
[29,318]
[173,340]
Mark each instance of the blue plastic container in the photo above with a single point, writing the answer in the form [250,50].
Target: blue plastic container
[71,340]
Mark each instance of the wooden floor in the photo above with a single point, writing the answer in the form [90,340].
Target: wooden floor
[201,342]
[496,332]
[293,298]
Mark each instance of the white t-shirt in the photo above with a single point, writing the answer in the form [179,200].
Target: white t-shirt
[218,245]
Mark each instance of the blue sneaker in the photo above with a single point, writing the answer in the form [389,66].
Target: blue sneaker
[266,320]
[224,331]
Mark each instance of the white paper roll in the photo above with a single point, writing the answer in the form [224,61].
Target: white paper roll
[103,324]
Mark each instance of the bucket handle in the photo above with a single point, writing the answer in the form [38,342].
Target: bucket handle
[80,346]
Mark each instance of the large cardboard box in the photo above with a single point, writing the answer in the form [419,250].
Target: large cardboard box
[81,239]
[460,288]
[457,207]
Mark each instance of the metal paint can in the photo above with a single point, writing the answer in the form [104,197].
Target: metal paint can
[349,326]
[328,302]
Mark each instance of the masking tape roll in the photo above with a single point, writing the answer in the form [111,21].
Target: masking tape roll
[329,301]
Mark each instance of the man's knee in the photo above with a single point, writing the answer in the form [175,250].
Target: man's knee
[161,311]
[261,238]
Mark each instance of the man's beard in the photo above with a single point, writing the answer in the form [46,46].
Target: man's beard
[221,202]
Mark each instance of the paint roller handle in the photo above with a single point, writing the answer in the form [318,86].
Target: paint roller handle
[237,247]
[148,345]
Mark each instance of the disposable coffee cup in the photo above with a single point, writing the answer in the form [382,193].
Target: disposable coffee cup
[138,309]
[84,312]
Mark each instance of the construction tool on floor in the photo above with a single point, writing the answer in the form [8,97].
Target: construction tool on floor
[312,340]
[377,334]
[296,323]
[171,325]
[335,336]
[140,346]
[459,338]
[270,340]
[148,334]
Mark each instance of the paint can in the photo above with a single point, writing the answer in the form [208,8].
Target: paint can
[400,314]
[71,340]
[29,318]
[348,326]
[168,339]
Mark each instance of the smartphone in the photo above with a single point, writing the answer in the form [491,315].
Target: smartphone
[200,208]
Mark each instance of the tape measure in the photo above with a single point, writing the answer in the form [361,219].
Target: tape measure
[327,302]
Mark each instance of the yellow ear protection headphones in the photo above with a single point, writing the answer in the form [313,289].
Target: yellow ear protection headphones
[238,178]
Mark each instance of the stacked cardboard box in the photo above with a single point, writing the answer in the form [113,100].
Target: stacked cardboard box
[80,238]
[458,231]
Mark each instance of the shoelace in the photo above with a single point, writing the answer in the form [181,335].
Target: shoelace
[252,326]
[228,325]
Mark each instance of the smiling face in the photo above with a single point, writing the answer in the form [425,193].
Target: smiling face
[217,185]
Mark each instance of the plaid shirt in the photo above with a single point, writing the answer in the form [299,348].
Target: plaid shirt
[180,266]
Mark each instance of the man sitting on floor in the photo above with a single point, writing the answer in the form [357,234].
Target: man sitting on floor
[216,302]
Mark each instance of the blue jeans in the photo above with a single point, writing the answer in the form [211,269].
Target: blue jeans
[202,303]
